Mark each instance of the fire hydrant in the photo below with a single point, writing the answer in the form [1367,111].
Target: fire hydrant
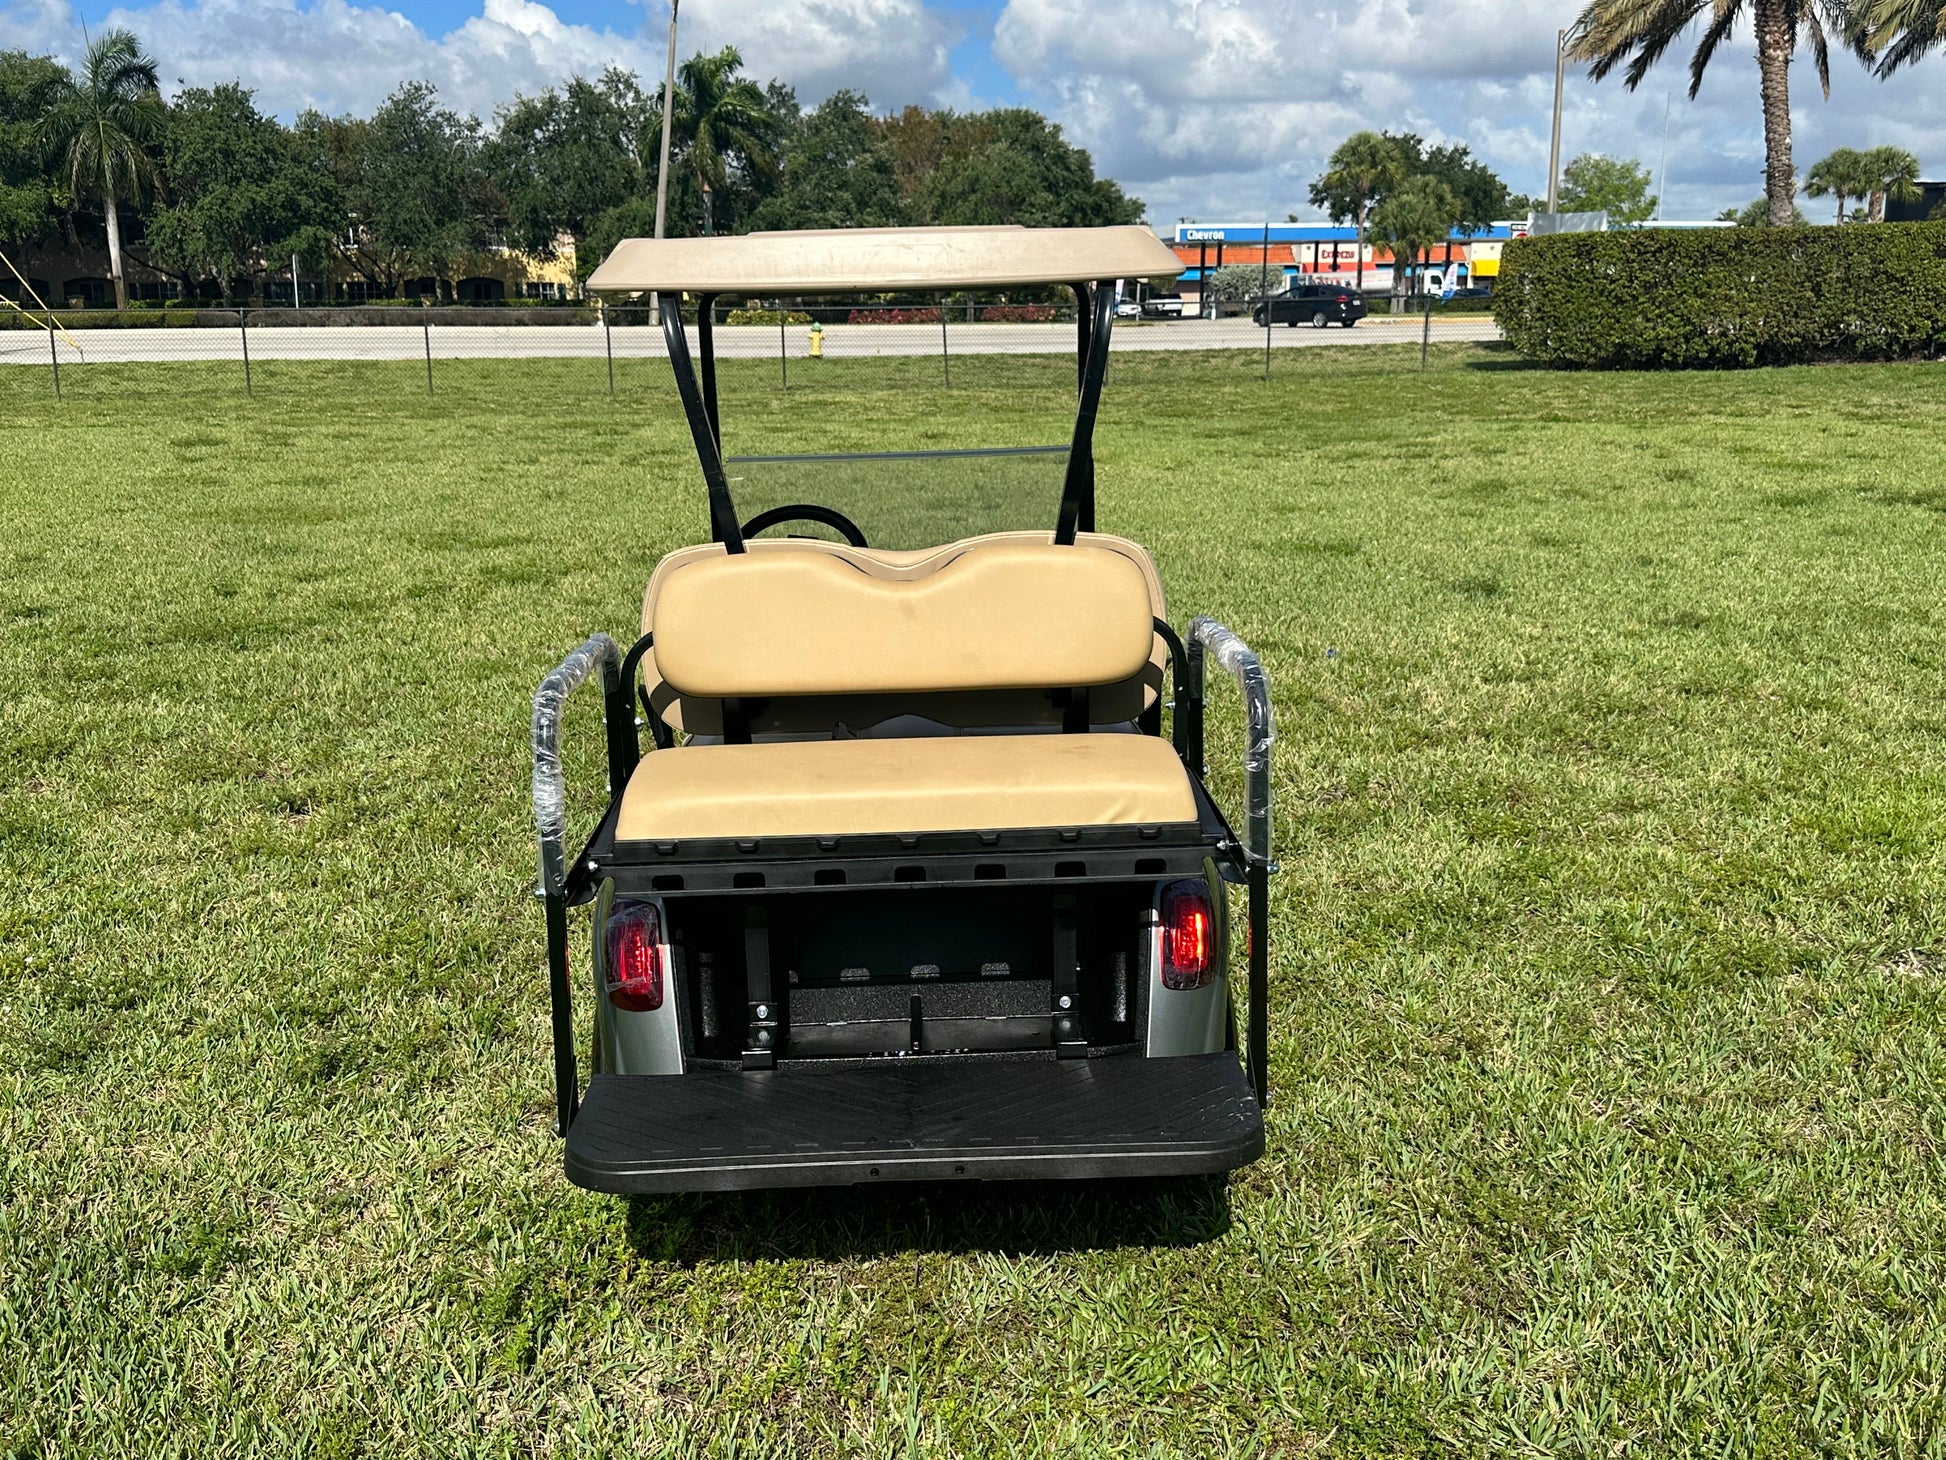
[817,340]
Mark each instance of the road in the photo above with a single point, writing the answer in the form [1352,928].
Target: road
[515,342]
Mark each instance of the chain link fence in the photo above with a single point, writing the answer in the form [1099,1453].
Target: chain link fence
[448,350]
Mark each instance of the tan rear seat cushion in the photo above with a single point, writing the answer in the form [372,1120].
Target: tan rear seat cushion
[1009,616]
[948,783]
[700,714]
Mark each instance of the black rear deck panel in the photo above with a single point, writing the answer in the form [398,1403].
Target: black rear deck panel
[915,1120]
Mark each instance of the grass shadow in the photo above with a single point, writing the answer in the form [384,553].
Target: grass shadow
[1007,1218]
[1499,355]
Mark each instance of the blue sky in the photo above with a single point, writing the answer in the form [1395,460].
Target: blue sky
[1212,109]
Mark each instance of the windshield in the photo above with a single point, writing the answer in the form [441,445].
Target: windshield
[902,499]
[978,404]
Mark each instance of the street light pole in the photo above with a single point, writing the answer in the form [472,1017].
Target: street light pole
[1554,144]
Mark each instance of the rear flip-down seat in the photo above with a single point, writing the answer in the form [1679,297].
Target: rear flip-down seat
[944,783]
[1032,627]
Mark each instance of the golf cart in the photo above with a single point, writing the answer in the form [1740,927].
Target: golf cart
[899,876]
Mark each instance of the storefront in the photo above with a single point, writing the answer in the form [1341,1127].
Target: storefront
[1324,253]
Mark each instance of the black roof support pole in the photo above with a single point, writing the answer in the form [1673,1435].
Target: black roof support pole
[1078,492]
[706,350]
[722,512]
[1081,323]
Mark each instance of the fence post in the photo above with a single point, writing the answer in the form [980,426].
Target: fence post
[783,347]
[425,326]
[608,339]
[243,329]
[53,357]
[1263,288]
[945,360]
[1425,334]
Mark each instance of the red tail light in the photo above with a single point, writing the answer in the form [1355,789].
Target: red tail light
[634,975]
[1188,936]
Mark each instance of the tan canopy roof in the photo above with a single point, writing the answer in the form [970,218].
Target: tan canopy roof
[888,259]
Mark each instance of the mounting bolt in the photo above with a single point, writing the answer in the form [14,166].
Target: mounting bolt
[591,864]
[763,1038]
[763,1011]
[1065,1002]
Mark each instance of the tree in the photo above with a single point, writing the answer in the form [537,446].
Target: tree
[100,128]
[1890,33]
[1592,183]
[563,158]
[838,172]
[725,124]
[238,191]
[27,88]
[1889,172]
[1365,166]
[416,193]
[1012,165]
[1638,32]
[1483,196]
[1842,175]
[1757,214]
[1410,220]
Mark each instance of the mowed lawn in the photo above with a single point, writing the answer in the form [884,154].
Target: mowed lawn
[1607,964]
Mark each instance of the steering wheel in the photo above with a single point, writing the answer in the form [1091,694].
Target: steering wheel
[831,517]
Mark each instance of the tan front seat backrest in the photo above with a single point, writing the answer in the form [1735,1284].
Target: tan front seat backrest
[809,634]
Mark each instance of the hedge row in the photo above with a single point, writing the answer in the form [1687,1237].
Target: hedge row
[1680,299]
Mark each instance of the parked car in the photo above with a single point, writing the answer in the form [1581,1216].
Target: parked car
[1478,292]
[1315,304]
[1128,309]
[1163,306]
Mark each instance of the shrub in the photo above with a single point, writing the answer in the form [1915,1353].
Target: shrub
[1241,283]
[1709,299]
[926,315]
[88,319]
[765,316]
[1014,313]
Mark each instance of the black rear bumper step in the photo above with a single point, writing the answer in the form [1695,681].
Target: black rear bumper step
[915,1120]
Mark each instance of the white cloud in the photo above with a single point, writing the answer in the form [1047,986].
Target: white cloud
[340,56]
[1228,108]
[895,51]
[1203,107]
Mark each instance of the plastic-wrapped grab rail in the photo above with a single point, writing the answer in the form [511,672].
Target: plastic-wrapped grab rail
[598,652]
[1207,636]
[550,782]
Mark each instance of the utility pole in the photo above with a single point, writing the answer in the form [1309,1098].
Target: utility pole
[1554,144]
[668,110]
[1662,187]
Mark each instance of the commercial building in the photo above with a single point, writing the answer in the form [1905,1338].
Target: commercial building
[1327,253]
[1930,203]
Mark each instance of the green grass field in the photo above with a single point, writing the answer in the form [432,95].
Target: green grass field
[1607,973]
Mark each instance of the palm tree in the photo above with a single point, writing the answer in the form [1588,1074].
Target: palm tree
[1410,221]
[721,115]
[1889,33]
[1365,166]
[98,128]
[1609,32]
[1842,175]
[1890,172]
